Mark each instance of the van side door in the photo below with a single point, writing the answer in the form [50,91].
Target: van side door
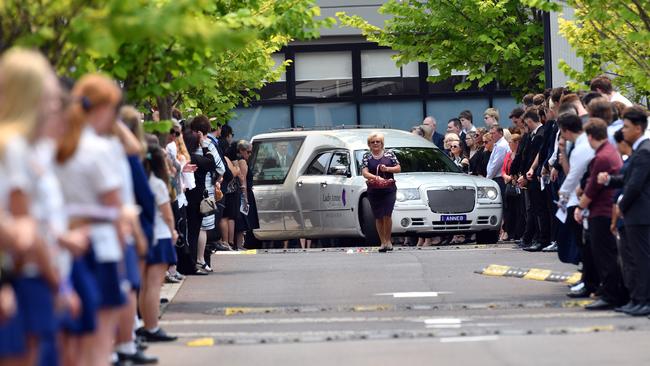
[335,190]
[308,190]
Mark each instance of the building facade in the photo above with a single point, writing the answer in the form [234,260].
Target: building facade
[342,79]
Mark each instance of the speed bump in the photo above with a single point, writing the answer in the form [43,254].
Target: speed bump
[536,274]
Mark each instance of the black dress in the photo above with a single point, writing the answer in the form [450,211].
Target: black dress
[250,221]
[382,201]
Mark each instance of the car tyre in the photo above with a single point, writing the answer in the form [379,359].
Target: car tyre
[367,221]
[487,237]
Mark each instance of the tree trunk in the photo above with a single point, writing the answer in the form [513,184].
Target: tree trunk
[165,105]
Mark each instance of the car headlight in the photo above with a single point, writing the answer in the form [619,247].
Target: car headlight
[408,194]
[488,193]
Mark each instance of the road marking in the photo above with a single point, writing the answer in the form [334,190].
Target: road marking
[469,339]
[364,308]
[536,274]
[242,310]
[421,319]
[442,321]
[238,252]
[413,294]
[576,330]
[444,326]
[201,342]
[576,303]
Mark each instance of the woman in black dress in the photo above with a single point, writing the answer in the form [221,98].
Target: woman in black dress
[204,163]
[246,221]
[380,165]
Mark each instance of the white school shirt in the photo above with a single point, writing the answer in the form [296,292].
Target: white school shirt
[31,170]
[161,194]
[93,170]
[581,156]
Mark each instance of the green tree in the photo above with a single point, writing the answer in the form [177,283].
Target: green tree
[163,50]
[611,36]
[496,40]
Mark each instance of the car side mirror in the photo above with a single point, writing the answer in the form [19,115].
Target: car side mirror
[339,170]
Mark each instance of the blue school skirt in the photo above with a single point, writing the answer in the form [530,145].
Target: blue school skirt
[36,302]
[109,281]
[132,268]
[86,287]
[12,336]
[162,253]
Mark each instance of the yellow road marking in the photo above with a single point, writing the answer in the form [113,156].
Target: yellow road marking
[201,342]
[361,308]
[576,303]
[538,274]
[496,270]
[242,310]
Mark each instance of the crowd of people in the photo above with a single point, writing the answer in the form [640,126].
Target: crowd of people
[573,170]
[95,214]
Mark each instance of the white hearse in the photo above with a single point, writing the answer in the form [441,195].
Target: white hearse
[308,184]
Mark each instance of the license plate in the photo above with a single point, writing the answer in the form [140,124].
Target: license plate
[453,218]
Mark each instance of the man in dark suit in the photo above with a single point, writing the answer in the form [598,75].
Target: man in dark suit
[438,139]
[538,226]
[634,205]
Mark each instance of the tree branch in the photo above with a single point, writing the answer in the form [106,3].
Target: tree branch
[642,14]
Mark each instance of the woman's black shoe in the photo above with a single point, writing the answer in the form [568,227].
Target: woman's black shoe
[138,358]
[382,249]
[157,336]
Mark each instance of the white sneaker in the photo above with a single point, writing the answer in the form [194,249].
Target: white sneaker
[578,287]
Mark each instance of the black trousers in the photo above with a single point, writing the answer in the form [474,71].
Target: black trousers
[638,238]
[589,272]
[604,253]
[538,213]
[628,261]
[194,219]
[502,186]
[530,231]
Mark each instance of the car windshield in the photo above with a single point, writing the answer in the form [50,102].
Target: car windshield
[417,160]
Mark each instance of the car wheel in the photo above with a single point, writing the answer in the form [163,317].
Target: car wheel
[367,221]
[487,237]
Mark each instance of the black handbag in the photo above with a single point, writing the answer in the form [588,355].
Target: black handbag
[512,191]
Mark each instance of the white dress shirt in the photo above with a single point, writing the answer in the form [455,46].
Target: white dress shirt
[611,130]
[579,161]
[495,164]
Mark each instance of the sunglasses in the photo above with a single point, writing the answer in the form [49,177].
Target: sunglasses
[375,142]
[454,146]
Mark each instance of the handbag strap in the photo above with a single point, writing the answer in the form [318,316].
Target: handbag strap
[378,172]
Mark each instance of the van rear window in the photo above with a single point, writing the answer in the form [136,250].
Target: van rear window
[272,159]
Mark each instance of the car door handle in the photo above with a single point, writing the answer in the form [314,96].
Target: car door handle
[323,184]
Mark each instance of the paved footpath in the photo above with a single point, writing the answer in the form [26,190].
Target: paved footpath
[482,305]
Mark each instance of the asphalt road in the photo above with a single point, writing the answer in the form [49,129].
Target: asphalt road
[354,307]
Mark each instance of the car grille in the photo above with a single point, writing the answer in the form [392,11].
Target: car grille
[452,200]
[451,226]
